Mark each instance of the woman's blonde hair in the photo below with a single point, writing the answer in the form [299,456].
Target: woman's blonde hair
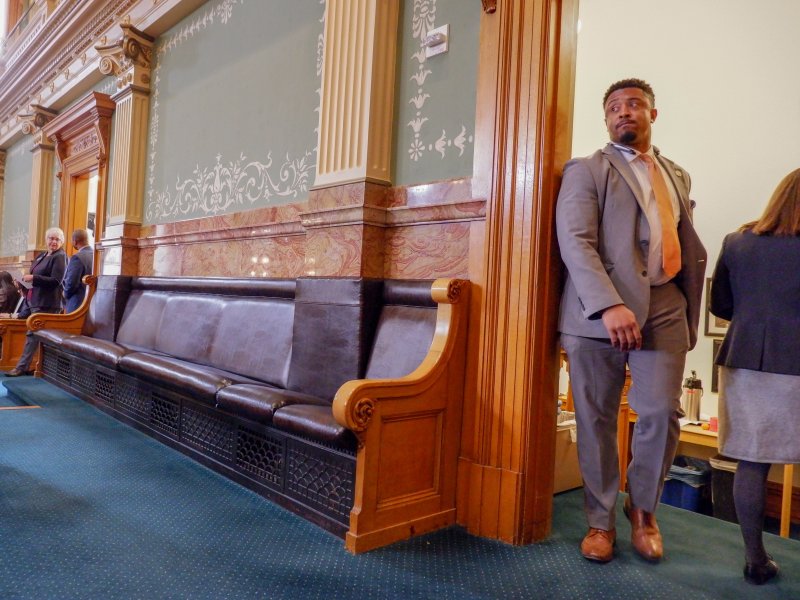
[782,214]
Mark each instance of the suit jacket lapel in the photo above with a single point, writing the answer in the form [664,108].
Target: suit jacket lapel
[38,259]
[618,161]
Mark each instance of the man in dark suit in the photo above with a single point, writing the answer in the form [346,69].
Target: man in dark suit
[80,264]
[635,271]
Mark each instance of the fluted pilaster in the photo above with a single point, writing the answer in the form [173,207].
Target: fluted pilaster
[41,175]
[129,59]
[357,103]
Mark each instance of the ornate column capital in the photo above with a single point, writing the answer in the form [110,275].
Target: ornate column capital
[489,6]
[35,120]
[129,59]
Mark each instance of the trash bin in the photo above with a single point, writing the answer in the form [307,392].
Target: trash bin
[567,471]
[722,471]
[687,485]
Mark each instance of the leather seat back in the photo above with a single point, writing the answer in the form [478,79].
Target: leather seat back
[405,329]
[333,328]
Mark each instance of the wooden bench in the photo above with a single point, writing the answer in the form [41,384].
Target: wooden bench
[340,399]
[14,331]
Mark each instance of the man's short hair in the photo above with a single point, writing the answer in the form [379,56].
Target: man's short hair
[631,82]
[80,236]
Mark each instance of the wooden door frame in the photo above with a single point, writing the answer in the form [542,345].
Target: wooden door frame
[81,136]
[526,80]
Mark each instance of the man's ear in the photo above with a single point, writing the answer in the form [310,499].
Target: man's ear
[653,114]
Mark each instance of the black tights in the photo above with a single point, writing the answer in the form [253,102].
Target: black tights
[749,497]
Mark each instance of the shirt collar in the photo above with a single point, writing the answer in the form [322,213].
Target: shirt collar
[630,154]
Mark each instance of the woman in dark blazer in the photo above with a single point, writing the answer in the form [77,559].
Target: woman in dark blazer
[756,286]
[47,271]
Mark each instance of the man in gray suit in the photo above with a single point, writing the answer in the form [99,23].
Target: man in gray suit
[635,272]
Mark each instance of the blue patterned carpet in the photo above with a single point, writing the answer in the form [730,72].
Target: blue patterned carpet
[90,508]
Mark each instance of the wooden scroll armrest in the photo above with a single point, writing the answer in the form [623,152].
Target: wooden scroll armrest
[355,402]
[67,322]
[408,432]
[13,333]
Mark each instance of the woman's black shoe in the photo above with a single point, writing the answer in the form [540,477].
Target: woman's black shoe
[760,574]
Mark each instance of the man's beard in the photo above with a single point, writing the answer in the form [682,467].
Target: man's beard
[627,137]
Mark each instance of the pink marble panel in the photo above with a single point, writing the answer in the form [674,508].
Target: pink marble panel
[437,192]
[349,194]
[335,251]
[168,261]
[373,252]
[146,262]
[259,217]
[266,257]
[427,251]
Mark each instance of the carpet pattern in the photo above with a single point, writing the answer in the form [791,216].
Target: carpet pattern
[90,508]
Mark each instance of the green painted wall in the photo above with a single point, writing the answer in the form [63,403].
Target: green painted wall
[435,101]
[234,109]
[16,204]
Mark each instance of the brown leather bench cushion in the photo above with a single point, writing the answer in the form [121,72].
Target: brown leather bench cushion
[259,402]
[100,351]
[53,336]
[315,423]
[200,382]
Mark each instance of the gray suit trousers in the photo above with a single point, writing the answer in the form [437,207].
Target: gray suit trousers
[597,375]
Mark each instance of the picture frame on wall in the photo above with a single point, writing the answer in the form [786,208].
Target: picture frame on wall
[715,327]
[715,367]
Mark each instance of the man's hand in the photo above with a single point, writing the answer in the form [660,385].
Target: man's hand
[621,325]
[27,278]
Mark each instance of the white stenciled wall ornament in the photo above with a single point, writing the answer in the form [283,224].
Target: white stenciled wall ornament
[423,145]
[236,184]
[229,184]
[16,242]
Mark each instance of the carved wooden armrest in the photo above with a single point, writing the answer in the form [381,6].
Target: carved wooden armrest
[70,321]
[355,401]
[408,432]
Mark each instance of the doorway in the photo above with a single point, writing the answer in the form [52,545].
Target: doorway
[81,136]
[82,208]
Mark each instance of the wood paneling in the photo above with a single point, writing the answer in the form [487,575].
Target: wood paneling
[523,136]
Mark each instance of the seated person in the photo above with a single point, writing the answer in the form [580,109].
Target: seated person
[9,294]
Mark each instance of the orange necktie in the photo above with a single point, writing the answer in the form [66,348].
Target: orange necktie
[670,246]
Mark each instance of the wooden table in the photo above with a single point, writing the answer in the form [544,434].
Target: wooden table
[690,434]
[694,434]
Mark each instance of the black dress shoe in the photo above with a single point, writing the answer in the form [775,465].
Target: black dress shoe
[15,372]
[761,574]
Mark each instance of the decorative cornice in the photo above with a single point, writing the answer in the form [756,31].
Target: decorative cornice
[35,120]
[48,57]
[129,59]
[84,127]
